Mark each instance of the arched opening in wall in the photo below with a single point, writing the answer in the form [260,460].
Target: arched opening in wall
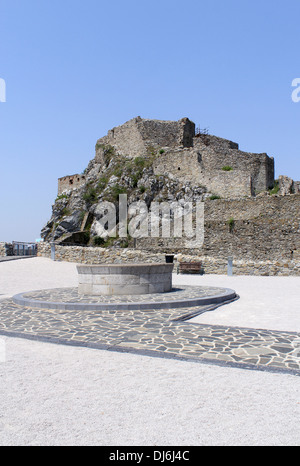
[178,168]
[70,181]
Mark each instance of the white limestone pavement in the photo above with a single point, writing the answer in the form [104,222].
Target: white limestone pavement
[59,395]
[271,303]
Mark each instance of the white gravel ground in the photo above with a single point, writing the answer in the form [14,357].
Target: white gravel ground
[59,395]
[265,302]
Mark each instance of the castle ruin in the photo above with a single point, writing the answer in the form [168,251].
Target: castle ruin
[202,159]
[248,215]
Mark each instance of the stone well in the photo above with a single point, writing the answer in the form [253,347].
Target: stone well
[124,279]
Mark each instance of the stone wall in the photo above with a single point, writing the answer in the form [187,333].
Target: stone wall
[262,228]
[70,182]
[235,184]
[2,249]
[184,156]
[187,165]
[125,139]
[218,165]
[210,265]
[138,136]
[98,255]
[6,249]
[260,234]
[288,186]
[252,229]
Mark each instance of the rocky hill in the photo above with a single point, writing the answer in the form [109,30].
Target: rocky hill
[153,160]
[74,213]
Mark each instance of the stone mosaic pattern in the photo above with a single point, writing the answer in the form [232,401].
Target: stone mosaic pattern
[184,296]
[163,333]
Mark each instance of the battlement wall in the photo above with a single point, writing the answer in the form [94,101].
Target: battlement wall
[138,137]
[70,182]
[265,228]
[217,156]
[226,175]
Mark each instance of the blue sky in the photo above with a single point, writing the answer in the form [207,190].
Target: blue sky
[75,69]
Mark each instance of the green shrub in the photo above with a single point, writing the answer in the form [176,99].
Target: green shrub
[102,183]
[140,162]
[114,193]
[61,196]
[82,215]
[90,195]
[124,243]
[98,241]
[214,196]
[227,168]
[134,179]
[66,212]
[275,188]
[86,237]
[118,171]
[231,224]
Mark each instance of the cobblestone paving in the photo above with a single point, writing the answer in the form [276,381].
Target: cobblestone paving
[163,333]
[71,295]
[69,298]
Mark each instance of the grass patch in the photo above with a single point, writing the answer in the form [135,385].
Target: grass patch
[102,183]
[275,189]
[140,162]
[114,193]
[62,196]
[66,212]
[90,195]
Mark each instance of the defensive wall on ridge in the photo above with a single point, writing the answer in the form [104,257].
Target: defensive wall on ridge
[260,234]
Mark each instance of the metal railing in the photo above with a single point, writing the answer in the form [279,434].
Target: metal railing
[24,249]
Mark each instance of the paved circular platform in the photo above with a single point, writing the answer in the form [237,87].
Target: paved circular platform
[70,299]
[167,333]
